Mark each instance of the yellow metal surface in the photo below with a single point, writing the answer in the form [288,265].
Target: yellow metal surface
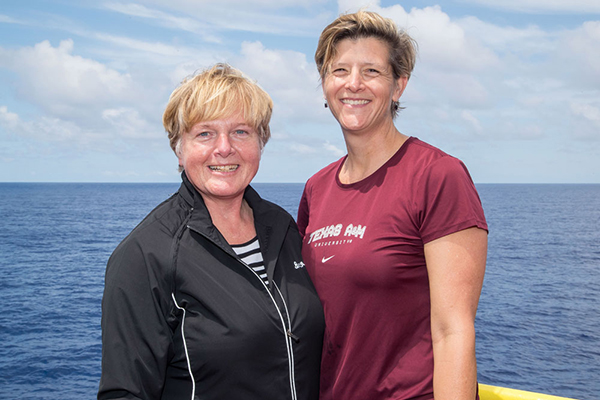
[487,392]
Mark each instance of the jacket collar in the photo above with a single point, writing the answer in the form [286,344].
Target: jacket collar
[270,221]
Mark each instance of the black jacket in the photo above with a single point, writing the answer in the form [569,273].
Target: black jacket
[182,315]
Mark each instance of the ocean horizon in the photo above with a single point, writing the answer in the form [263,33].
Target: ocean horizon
[538,323]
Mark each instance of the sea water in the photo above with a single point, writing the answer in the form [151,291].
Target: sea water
[538,323]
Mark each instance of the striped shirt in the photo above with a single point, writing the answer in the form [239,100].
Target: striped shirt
[250,254]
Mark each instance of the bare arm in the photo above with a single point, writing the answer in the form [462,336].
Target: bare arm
[456,265]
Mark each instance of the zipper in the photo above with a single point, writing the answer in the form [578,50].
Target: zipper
[290,337]
[287,331]
[185,347]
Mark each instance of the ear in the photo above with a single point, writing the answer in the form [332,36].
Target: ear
[324,94]
[178,152]
[400,86]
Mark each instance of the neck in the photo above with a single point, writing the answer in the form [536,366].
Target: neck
[233,218]
[368,152]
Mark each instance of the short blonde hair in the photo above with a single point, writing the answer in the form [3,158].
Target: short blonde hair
[215,93]
[367,24]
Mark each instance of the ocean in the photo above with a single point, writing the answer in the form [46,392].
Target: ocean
[538,324]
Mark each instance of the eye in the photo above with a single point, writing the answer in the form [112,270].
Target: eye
[372,72]
[243,133]
[338,71]
[203,134]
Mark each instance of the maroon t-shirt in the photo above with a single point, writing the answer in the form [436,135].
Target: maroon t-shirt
[363,248]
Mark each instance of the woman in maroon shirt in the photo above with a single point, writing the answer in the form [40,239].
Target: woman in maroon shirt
[394,235]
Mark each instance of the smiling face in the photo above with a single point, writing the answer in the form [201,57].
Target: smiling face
[220,157]
[359,86]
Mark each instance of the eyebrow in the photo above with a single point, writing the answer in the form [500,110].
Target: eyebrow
[366,64]
[207,124]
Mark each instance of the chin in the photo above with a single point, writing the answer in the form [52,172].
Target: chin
[227,190]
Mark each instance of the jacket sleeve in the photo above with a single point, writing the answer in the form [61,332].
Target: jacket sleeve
[302,219]
[136,336]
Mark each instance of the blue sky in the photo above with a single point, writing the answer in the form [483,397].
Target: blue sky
[512,87]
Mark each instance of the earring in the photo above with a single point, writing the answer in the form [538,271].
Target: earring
[325,104]
[396,105]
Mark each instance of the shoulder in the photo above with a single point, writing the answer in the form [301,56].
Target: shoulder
[327,173]
[277,210]
[420,150]
[431,162]
[445,197]
[324,178]
[265,210]
[154,234]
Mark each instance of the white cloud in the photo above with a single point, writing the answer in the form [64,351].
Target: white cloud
[336,151]
[127,123]
[580,50]
[302,148]
[184,5]
[287,76]
[57,80]
[47,129]
[457,89]
[510,78]
[8,119]
[165,19]
[120,130]
[153,48]
[441,41]
[258,16]
[189,68]
[526,41]
[528,84]
[5,19]
[527,131]
[477,84]
[587,111]
[472,120]
[346,6]
[542,6]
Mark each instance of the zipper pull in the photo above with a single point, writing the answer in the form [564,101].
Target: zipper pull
[294,337]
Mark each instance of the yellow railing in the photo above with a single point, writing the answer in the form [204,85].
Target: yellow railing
[487,392]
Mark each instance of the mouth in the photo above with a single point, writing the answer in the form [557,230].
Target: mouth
[355,102]
[224,168]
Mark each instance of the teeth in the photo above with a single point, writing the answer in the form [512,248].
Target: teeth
[224,168]
[355,102]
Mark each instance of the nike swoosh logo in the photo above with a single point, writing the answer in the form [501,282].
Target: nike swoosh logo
[324,260]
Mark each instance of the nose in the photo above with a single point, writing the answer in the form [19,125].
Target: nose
[223,146]
[355,81]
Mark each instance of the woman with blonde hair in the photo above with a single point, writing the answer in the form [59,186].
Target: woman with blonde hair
[207,297]
[394,234]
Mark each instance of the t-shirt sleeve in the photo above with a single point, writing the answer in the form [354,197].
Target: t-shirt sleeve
[450,200]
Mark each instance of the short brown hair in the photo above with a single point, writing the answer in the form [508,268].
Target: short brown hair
[366,24]
[214,93]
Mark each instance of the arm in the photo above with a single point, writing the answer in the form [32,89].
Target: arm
[135,334]
[456,265]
